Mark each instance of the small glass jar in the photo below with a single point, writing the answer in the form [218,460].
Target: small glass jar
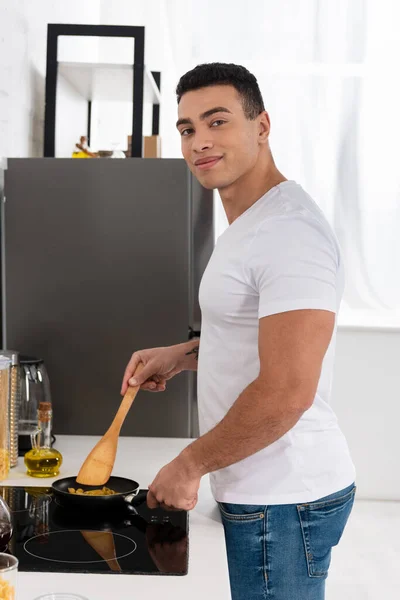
[5,370]
[8,576]
[34,389]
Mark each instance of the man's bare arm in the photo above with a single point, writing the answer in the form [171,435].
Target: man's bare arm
[191,354]
[292,346]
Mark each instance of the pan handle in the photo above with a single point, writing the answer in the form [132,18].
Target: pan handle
[135,499]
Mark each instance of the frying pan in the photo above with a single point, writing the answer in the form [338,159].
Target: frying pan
[158,531]
[93,512]
[127,494]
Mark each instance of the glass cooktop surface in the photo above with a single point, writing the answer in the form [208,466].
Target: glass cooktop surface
[48,537]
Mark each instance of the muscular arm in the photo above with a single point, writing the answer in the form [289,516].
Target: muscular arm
[292,346]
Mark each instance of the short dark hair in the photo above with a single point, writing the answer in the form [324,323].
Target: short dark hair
[239,77]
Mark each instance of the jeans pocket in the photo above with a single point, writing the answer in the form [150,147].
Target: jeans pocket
[241,512]
[322,524]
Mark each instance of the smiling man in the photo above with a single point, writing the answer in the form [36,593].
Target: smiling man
[279,464]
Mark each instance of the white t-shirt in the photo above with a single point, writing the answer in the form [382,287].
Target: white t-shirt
[279,255]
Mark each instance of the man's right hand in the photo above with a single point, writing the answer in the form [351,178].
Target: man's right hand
[160,364]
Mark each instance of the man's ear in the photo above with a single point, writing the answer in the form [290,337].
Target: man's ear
[264,127]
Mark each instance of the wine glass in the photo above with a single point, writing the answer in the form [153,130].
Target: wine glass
[5,524]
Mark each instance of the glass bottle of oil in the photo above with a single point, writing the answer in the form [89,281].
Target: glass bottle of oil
[43,460]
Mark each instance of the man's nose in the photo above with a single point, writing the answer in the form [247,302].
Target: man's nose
[201,142]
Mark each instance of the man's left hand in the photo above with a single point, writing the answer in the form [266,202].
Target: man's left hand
[175,487]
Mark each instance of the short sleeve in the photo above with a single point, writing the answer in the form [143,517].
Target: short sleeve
[292,264]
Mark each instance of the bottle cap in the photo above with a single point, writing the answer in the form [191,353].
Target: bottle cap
[12,355]
[44,406]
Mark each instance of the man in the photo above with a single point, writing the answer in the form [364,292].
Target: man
[279,465]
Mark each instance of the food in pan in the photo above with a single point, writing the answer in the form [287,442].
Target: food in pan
[104,491]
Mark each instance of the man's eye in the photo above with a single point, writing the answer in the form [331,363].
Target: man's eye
[217,122]
[186,132]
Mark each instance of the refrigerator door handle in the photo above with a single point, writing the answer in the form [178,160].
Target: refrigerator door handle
[193,333]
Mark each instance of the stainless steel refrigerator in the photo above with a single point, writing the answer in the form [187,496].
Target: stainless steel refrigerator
[101,258]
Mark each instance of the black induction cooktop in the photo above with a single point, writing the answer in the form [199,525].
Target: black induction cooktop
[50,538]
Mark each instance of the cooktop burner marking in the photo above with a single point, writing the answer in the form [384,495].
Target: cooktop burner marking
[69,531]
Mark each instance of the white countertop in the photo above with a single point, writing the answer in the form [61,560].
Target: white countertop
[138,459]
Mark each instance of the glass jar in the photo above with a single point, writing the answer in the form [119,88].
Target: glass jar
[8,576]
[6,529]
[5,370]
[35,388]
[13,403]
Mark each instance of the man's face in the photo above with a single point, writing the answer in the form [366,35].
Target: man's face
[219,143]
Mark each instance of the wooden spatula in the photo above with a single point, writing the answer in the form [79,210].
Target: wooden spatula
[103,543]
[97,468]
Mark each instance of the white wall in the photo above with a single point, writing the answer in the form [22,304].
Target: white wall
[71,118]
[366,399]
[23,37]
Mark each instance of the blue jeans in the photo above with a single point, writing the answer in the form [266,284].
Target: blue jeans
[283,552]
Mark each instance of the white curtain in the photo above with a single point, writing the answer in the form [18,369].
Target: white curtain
[329,74]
